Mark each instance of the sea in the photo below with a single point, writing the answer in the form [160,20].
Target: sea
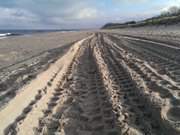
[7,33]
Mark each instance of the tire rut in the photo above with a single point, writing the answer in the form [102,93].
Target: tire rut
[138,109]
[88,109]
[106,90]
[148,83]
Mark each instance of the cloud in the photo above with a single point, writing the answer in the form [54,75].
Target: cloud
[54,14]
[15,13]
[131,1]
[60,13]
[71,13]
[87,13]
[169,4]
[16,17]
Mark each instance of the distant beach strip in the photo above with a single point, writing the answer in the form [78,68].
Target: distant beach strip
[10,33]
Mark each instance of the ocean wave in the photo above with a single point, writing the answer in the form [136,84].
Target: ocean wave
[5,34]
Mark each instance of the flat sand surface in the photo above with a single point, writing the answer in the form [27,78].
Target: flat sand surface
[14,49]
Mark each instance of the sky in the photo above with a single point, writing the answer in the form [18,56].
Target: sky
[76,14]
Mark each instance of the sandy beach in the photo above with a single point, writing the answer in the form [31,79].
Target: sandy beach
[22,58]
[31,90]
[100,82]
[88,67]
[19,48]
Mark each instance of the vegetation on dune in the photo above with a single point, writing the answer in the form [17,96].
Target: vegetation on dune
[169,17]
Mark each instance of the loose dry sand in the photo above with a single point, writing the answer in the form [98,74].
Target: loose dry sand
[23,57]
[27,94]
[104,84]
[14,49]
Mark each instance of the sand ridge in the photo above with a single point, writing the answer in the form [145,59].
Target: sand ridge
[29,92]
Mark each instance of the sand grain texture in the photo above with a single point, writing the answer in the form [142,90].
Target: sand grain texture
[104,84]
